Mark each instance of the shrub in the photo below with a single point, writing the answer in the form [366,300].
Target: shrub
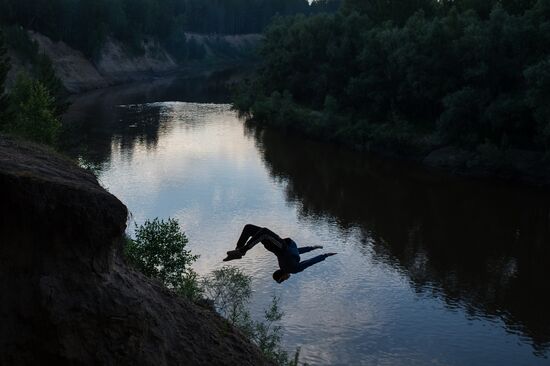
[230,290]
[158,251]
[4,68]
[32,112]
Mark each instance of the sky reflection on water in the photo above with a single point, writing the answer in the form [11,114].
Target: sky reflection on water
[431,270]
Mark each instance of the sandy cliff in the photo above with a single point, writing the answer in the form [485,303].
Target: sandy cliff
[115,64]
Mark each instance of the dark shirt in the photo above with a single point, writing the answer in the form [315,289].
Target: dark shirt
[289,258]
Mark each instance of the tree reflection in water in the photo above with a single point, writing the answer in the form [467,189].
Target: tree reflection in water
[482,246]
[121,117]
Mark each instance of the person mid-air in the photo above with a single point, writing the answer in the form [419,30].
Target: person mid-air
[288,254]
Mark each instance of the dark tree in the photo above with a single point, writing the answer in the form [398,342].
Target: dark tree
[410,75]
[86,24]
[4,68]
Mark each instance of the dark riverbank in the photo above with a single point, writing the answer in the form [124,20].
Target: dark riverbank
[460,87]
[512,165]
[516,166]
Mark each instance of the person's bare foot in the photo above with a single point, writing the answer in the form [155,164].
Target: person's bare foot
[233,254]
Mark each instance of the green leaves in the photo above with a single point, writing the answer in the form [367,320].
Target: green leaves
[230,289]
[32,112]
[158,251]
[4,68]
[414,72]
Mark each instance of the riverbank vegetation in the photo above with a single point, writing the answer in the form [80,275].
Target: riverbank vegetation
[87,24]
[410,76]
[159,250]
[36,100]
[32,108]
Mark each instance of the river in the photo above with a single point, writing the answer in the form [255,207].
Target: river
[431,269]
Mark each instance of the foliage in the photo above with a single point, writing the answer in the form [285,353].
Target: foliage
[33,107]
[39,64]
[409,74]
[267,334]
[19,41]
[86,24]
[4,68]
[158,251]
[31,112]
[44,72]
[230,290]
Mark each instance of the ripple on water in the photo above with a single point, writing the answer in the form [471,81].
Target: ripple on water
[394,294]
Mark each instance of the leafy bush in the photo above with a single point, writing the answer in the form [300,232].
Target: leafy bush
[38,64]
[32,112]
[230,290]
[158,251]
[4,68]
[268,334]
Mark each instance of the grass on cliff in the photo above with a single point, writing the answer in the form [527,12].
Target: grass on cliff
[159,250]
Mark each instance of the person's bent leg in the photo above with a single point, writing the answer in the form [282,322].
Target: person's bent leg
[271,241]
[248,231]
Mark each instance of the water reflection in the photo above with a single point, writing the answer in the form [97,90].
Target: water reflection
[97,120]
[482,246]
[430,267]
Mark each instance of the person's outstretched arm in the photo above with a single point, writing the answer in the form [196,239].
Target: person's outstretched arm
[310,262]
[303,250]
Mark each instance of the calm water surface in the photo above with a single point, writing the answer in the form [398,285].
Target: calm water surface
[431,269]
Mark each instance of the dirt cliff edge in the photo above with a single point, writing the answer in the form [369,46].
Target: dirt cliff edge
[68,297]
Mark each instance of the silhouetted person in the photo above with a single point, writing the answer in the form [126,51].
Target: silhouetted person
[288,254]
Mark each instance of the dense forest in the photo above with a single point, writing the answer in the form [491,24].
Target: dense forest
[33,107]
[410,76]
[85,24]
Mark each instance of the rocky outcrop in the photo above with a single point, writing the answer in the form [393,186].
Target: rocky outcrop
[68,297]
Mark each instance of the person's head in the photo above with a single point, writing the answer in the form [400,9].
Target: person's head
[280,276]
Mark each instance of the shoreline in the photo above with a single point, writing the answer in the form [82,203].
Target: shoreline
[187,71]
[512,166]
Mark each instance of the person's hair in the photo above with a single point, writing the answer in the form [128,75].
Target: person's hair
[278,276]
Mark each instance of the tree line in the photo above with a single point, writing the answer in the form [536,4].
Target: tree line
[410,74]
[35,102]
[85,24]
